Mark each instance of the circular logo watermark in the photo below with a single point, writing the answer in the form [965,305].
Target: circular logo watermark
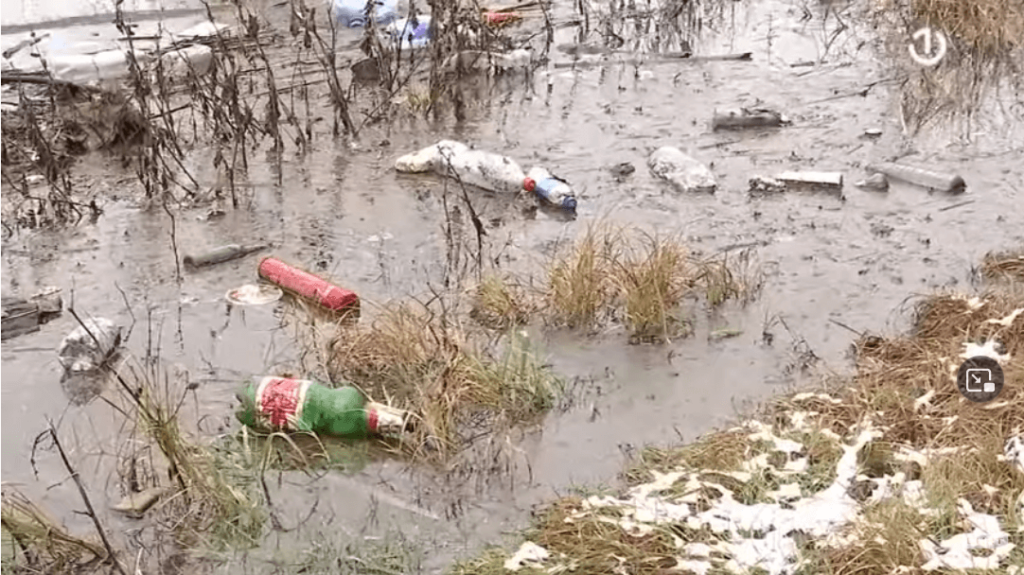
[933,47]
[980,379]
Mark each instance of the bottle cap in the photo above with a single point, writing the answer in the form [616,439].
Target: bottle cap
[529,184]
[569,203]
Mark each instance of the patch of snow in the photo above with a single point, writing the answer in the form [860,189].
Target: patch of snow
[924,400]
[698,550]
[988,350]
[1013,451]
[806,395]
[786,491]
[955,552]
[1008,320]
[529,552]
[698,567]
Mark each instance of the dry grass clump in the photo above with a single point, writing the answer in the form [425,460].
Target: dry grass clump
[416,360]
[599,547]
[639,279]
[500,304]
[652,276]
[40,544]
[720,451]
[580,292]
[217,503]
[1004,266]
[990,27]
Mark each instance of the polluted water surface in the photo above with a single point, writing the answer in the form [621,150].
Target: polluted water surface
[831,264]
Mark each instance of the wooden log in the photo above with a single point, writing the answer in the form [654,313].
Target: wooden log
[744,118]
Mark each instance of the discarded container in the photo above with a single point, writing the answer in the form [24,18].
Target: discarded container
[222,254]
[498,19]
[951,183]
[254,294]
[352,13]
[518,59]
[196,59]
[486,170]
[307,285]
[832,181]
[21,316]
[877,182]
[766,185]
[684,172]
[411,33]
[286,404]
[88,346]
[136,504]
[551,189]
[747,118]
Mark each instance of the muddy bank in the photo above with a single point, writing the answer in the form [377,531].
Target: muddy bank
[340,210]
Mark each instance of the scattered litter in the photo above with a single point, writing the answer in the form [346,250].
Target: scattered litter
[286,404]
[832,181]
[528,553]
[352,13]
[498,19]
[766,185]
[622,169]
[254,294]
[88,346]
[824,396]
[485,170]
[951,183]
[747,118]
[518,59]
[876,182]
[410,33]
[221,254]
[136,504]
[21,316]
[873,132]
[725,333]
[552,190]
[307,285]
[684,172]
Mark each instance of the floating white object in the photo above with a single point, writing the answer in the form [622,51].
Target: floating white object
[254,294]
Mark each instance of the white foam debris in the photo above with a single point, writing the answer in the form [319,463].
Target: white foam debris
[922,456]
[955,552]
[529,553]
[988,349]
[1008,320]
[924,400]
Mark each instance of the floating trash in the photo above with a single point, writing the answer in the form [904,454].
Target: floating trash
[254,294]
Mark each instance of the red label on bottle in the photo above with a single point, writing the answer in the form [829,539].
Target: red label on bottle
[279,401]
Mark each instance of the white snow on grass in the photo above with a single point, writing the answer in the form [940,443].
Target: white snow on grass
[766,535]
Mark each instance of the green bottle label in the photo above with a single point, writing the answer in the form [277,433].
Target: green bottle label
[279,403]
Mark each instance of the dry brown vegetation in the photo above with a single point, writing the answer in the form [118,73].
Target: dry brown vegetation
[1004,266]
[641,280]
[41,544]
[428,363]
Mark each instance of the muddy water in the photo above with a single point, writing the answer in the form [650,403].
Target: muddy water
[342,210]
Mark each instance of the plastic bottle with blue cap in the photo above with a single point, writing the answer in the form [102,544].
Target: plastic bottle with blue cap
[551,189]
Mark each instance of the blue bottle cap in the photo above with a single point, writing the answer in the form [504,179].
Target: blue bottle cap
[569,204]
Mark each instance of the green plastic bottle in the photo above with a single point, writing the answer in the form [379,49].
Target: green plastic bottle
[286,404]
